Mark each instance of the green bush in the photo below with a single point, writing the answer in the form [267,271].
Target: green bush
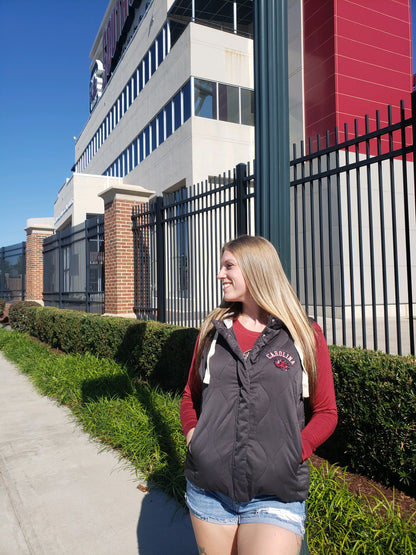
[376,399]
[375,392]
[153,352]
[19,316]
[2,306]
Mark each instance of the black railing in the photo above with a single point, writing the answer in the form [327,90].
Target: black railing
[12,272]
[177,243]
[352,226]
[353,214]
[73,267]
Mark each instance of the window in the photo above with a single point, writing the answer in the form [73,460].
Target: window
[127,97]
[152,55]
[129,159]
[161,127]
[168,112]
[119,108]
[140,146]
[205,95]
[146,136]
[123,102]
[152,127]
[140,77]
[228,103]
[123,164]
[167,39]
[146,69]
[177,112]
[187,101]
[247,107]
[159,42]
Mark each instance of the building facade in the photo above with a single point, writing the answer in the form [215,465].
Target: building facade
[171,90]
[172,100]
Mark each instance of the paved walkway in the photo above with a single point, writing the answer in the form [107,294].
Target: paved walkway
[60,494]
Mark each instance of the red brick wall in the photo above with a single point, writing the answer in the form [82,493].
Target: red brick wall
[119,257]
[34,265]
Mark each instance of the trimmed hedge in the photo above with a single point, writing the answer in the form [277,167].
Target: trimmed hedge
[153,352]
[2,307]
[376,400]
[376,393]
[17,310]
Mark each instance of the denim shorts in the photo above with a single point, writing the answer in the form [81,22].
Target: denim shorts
[213,506]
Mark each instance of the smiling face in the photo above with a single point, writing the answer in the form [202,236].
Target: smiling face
[233,283]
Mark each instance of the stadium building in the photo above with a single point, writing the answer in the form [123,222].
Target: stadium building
[171,88]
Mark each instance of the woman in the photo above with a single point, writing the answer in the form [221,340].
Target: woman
[257,358]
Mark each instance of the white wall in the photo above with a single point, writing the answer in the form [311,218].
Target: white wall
[79,196]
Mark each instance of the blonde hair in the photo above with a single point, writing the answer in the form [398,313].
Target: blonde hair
[268,285]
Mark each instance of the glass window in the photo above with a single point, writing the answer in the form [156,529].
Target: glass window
[140,145]
[123,164]
[168,113]
[161,127]
[146,136]
[127,97]
[133,87]
[152,127]
[146,69]
[159,42]
[247,107]
[187,101]
[140,77]
[205,95]
[228,103]
[177,115]
[167,38]
[129,159]
[152,56]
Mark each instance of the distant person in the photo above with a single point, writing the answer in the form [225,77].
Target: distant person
[257,358]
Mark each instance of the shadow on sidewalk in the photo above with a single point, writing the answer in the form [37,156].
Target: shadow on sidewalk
[163,527]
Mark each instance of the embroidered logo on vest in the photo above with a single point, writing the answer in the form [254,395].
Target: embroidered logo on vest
[281,359]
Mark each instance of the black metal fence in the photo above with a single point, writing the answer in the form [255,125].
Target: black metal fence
[12,272]
[353,213]
[73,267]
[177,240]
[352,226]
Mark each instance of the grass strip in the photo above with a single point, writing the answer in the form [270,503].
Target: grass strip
[143,424]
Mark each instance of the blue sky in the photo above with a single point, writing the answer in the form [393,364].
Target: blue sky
[44,81]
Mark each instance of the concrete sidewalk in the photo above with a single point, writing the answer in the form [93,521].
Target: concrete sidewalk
[60,494]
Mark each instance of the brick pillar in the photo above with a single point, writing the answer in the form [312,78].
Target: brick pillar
[35,235]
[118,245]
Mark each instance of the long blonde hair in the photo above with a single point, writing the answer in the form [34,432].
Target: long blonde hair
[268,285]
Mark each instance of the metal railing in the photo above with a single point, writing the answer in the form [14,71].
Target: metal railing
[353,221]
[177,241]
[73,271]
[13,272]
[353,224]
